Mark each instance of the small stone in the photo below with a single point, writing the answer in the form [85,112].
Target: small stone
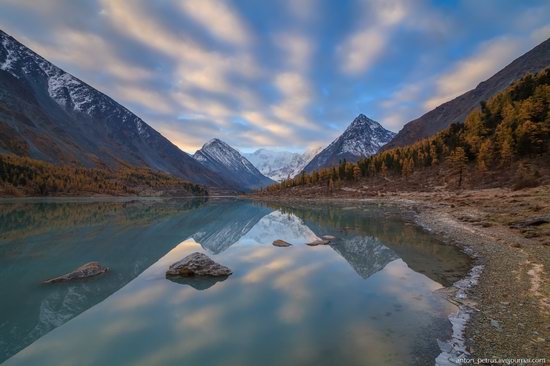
[84,271]
[318,242]
[197,264]
[495,324]
[281,243]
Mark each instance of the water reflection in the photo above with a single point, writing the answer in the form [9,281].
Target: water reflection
[198,283]
[276,299]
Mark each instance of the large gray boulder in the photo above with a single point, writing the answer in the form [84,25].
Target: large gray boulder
[197,264]
[84,271]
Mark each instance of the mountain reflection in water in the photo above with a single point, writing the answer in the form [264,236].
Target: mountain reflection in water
[47,238]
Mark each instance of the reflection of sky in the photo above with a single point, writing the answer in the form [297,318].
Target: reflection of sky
[280,306]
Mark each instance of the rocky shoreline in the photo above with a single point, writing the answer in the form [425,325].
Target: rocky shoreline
[504,301]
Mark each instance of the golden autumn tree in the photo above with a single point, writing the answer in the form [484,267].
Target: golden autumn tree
[458,161]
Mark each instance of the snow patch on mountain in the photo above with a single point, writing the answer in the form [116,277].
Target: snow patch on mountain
[279,165]
[225,160]
[65,89]
[363,138]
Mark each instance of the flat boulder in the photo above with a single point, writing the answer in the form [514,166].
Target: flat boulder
[198,264]
[281,243]
[87,270]
[318,242]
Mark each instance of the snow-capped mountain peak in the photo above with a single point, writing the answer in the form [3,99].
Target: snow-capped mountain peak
[363,137]
[279,165]
[227,161]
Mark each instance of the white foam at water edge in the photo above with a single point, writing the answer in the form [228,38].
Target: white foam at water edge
[455,348]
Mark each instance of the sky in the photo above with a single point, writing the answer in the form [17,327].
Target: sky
[281,74]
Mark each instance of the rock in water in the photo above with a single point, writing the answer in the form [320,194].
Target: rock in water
[197,264]
[281,243]
[84,271]
[318,242]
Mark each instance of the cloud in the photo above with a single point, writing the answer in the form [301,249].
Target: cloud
[147,98]
[363,47]
[296,93]
[297,49]
[89,52]
[541,34]
[403,105]
[265,123]
[405,94]
[304,10]
[394,121]
[219,19]
[490,57]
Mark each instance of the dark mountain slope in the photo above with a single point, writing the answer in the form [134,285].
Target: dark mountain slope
[48,114]
[457,109]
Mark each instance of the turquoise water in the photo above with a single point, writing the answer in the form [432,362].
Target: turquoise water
[367,299]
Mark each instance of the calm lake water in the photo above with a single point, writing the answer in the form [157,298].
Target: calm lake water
[366,299]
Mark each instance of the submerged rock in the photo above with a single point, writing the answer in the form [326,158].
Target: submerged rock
[318,242]
[198,264]
[84,271]
[281,243]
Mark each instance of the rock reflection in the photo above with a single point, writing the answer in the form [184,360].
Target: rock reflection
[198,283]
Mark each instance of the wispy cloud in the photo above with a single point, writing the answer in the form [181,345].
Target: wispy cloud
[219,19]
[490,57]
[150,99]
[89,52]
[363,47]
[288,73]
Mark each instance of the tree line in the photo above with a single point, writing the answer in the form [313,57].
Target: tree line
[512,125]
[22,175]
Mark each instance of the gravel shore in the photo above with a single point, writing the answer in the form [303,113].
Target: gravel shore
[511,307]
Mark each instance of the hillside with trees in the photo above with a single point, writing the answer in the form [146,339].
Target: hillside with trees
[20,176]
[504,142]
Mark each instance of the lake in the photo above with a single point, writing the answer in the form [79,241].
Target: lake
[366,299]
